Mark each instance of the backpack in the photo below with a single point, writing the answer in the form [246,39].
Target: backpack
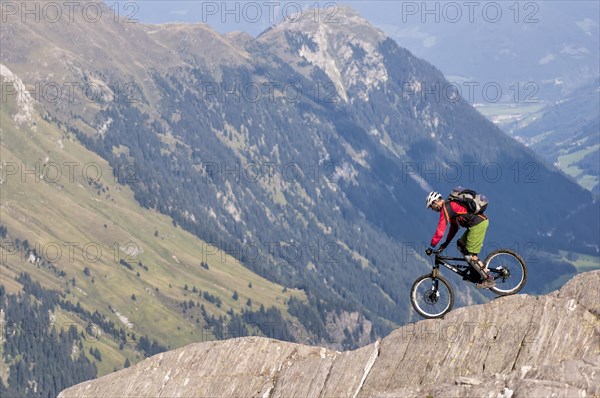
[474,202]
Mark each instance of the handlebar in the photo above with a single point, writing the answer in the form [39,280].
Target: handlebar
[436,251]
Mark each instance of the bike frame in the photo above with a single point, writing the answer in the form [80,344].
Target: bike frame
[459,269]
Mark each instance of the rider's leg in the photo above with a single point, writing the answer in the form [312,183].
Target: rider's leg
[462,247]
[462,243]
[473,242]
[477,265]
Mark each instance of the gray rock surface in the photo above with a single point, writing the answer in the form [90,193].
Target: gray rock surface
[511,347]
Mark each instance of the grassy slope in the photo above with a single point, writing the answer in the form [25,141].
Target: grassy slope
[582,262]
[568,163]
[564,132]
[49,214]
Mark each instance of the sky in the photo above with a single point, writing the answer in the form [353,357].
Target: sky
[224,16]
[255,16]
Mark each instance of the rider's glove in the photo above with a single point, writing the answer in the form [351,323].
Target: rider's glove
[429,250]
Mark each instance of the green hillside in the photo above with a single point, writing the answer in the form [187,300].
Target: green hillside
[566,134]
[74,214]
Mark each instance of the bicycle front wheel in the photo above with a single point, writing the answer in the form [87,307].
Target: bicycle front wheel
[509,271]
[431,297]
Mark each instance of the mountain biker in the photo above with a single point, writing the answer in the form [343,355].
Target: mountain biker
[470,242]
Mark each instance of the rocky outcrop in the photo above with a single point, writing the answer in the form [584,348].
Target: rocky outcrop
[513,346]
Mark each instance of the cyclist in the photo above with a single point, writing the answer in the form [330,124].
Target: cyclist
[470,242]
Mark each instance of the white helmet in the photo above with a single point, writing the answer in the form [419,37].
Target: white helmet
[432,197]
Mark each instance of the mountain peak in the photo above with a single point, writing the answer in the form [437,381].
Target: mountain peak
[336,40]
[334,19]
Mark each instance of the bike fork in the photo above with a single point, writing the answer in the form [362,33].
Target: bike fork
[434,274]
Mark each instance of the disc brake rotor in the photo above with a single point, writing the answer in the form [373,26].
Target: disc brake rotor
[431,297]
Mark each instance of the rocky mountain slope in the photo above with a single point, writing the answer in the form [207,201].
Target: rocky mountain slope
[514,346]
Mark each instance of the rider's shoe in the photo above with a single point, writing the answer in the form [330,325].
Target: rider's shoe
[487,283]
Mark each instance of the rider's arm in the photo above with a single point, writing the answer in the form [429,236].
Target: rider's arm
[439,232]
[452,232]
[458,209]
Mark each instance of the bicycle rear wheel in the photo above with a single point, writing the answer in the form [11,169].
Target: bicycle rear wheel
[509,271]
[431,297]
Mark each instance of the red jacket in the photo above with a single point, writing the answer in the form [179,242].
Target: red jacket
[456,215]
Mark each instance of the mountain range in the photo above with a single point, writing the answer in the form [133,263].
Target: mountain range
[567,134]
[293,165]
[536,50]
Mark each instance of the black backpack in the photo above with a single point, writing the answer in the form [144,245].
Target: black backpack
[474,202]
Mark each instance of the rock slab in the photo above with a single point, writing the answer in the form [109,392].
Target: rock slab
[513,346]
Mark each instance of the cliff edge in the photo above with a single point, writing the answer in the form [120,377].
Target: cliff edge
[513,346]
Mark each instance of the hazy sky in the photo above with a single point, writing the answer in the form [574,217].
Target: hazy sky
[249,16]
[255,16]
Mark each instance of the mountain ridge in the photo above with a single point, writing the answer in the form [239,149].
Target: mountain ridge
[522,345]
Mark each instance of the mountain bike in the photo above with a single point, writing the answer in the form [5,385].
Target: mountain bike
[432,296]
